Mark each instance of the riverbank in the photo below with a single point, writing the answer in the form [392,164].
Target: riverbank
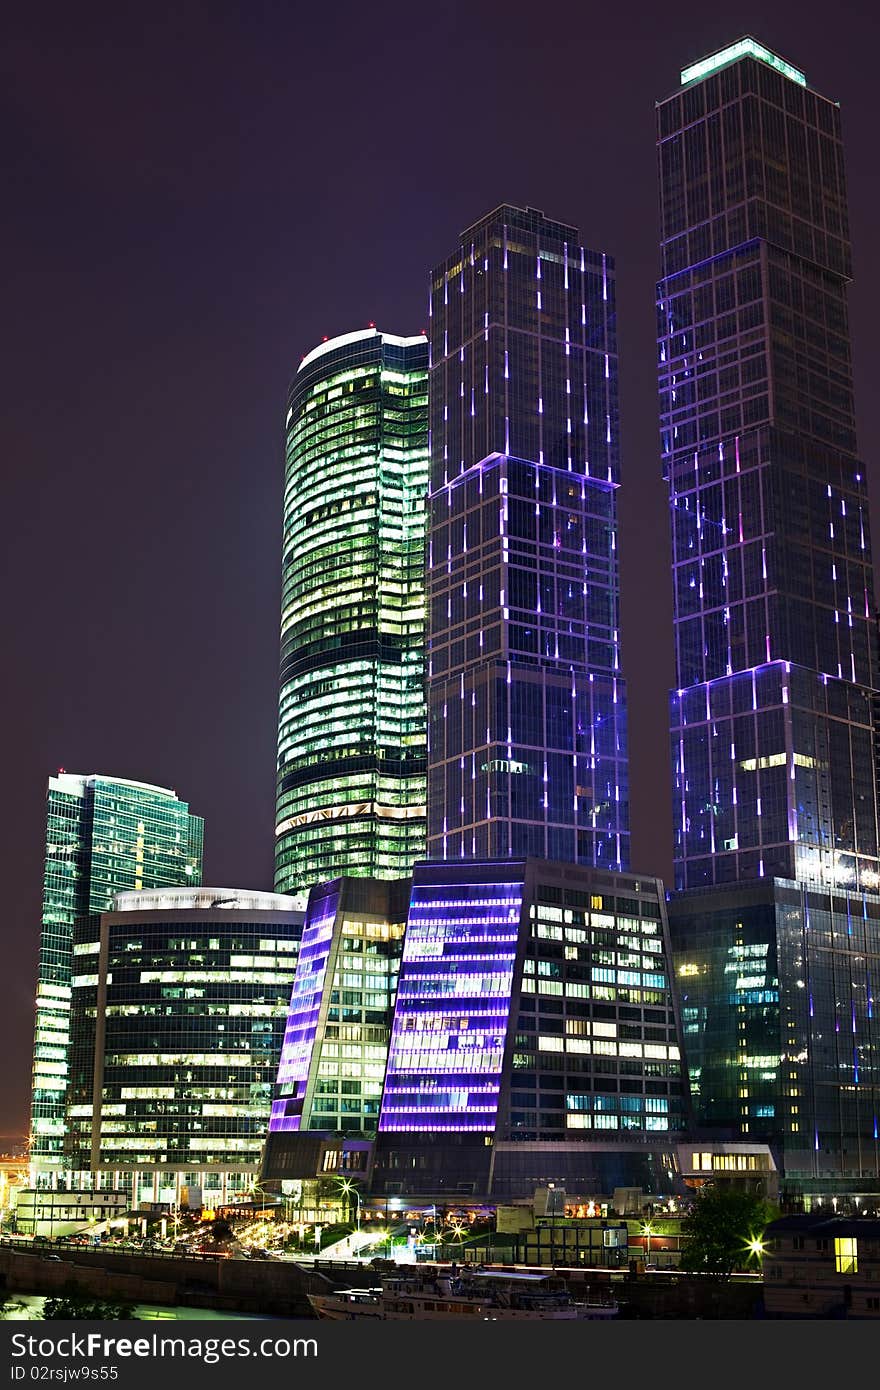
[31,1310]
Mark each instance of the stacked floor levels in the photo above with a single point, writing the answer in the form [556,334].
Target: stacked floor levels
[534,1009]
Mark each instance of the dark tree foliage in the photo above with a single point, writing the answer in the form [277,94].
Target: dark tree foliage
[72,1302]
[716,1234]
[9,1304]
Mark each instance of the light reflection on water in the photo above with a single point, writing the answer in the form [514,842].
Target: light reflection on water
[146,1312]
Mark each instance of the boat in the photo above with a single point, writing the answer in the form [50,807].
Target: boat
[483,1295]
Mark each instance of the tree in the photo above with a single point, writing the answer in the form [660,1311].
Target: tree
[9,1305]
[72,1302]
[724,1230]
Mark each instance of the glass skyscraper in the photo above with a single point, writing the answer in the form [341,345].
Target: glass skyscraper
[103,835]
[351,724]
[777,930]
[527,731]
[775,637]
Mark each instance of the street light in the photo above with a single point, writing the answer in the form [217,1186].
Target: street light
[647,1232]
[348,1188]
[756,1247]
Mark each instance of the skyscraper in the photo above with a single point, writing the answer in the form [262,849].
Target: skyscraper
[527,732]
[103,835]
[351,723]
[775,639]
[777,936]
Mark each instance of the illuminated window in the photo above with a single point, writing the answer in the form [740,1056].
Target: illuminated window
[846,1255]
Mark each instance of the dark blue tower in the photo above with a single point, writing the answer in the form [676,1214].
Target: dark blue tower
[527,730]
[776,934]
[772,721]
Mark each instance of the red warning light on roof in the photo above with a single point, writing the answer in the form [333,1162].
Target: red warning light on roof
[371,325]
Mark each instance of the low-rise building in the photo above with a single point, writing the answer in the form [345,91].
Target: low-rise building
[816,1266]
[52,1212]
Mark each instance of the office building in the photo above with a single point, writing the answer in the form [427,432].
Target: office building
[535,1034]
[339,1021]
[777,928]
[103,835]
[180,999]
[352,722]
[775,635]
[527,730]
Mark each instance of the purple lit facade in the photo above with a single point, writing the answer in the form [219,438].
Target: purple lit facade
[776,931]
[454,1001]
[304,1013]
[527,722]
[329,1080]
[773,743]
[534,1004]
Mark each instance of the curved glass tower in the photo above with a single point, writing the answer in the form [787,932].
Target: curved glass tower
[352,719]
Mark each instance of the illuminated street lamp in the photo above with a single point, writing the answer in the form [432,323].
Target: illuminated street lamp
[458,1232]
[756,1247]
[647,1232]
[348,1187]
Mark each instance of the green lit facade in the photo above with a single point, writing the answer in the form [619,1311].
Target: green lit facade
[103,835]
[352,724]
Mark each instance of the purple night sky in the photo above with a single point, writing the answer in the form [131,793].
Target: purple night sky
[195,194]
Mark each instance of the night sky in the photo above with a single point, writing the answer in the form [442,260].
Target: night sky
[194,196]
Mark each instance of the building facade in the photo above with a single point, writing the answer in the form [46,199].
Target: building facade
[535,1017]
[527,728]
[775,931]
[776,982]
[179,1006]
[103,835]
[51,1212]
[351,723]
[775,639]
[822,1266]
[339,1021]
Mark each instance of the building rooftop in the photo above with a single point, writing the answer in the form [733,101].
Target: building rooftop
[526,219]
[202,900]
[347,339]
[746,47]
[74,783]
[819,1224]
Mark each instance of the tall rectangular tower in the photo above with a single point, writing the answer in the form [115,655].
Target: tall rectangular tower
[776,934]
[103,835]
[775,642]
[527,730]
